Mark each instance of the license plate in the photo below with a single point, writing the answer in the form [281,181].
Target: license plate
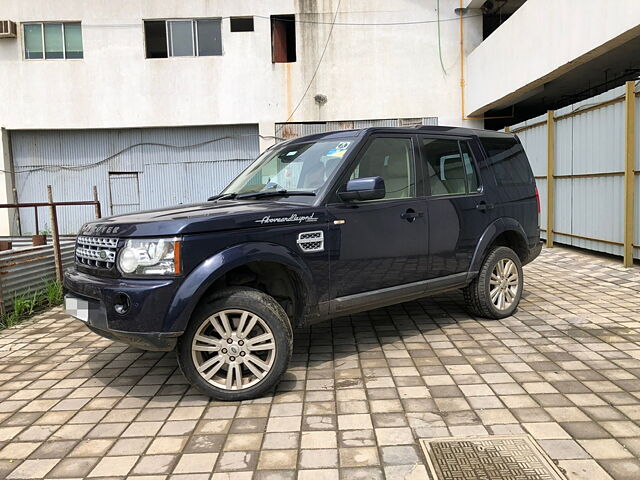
[77,307]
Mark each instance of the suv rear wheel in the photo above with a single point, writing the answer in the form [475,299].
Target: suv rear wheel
[496,291]
[237,345]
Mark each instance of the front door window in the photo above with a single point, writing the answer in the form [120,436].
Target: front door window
[391,159]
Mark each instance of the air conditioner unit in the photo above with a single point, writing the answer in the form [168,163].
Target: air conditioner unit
[8,29]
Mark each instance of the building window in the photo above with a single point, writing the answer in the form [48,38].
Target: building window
[241,24]
[183,38]
[52,40]
[283,38]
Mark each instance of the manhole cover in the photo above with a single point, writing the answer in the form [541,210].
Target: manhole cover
[496,457]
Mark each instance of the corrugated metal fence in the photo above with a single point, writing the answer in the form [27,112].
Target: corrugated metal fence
[588,157]
[294,130]
[134,169]
[26,270]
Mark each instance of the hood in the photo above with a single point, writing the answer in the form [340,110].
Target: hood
[202,217]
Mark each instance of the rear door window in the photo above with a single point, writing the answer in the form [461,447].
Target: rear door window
[449,167]
[508,161]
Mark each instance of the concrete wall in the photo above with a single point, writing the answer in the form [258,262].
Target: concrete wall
[369,71]
[542,41]
[7,216]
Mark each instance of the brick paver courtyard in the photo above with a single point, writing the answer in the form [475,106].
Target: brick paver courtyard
[359,393]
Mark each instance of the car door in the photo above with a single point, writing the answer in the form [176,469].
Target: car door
[381,243]
[458,211]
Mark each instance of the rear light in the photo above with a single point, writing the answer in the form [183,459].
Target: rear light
[538,199]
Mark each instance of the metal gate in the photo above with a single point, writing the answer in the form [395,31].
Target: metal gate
[133,168]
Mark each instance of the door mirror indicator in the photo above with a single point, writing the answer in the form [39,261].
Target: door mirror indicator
[369,188]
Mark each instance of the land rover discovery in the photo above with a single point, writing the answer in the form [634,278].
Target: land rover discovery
[317,227]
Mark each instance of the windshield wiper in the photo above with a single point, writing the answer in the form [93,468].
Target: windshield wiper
[222,196]
[274,193]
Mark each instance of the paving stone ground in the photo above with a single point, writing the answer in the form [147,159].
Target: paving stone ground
[360,391]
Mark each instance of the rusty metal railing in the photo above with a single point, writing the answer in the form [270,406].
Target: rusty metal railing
[38,239]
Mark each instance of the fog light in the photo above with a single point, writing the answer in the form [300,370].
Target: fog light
[122,303]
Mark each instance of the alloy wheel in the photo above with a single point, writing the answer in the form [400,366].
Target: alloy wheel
[233,349]
[504,284]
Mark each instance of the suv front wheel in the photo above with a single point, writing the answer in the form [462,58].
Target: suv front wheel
[237,345]
[496,291]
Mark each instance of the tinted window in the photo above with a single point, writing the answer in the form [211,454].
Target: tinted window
[183,38]
[241,24]
[391,159]
[508,160]
[180,38]
[73,40]
[33,41]
[52,40]
[209,38]
[449,167]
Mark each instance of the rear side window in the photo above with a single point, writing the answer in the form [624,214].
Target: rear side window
[508,161]
[449,167]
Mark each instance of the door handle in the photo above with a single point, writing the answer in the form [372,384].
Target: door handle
[484,206]
[410,215]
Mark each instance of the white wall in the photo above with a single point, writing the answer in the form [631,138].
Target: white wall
[7,216]
[541,41]
[368,71]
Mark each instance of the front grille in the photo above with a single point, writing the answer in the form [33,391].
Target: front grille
[96,251]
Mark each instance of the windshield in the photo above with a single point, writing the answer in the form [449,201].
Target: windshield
[300,167]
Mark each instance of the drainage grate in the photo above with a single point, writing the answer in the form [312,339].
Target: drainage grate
[496,457]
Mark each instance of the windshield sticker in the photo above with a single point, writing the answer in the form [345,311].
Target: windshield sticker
[340,150]
[292,218]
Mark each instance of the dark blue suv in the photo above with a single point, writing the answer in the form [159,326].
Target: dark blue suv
[317,227]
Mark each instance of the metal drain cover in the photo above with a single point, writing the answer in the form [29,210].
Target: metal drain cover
[495,457]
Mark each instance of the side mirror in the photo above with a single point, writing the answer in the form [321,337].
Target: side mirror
[369,188]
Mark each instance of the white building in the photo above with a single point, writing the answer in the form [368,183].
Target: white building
[160,103]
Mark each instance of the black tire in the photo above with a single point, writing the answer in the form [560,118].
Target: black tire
[245,299]
[477,294]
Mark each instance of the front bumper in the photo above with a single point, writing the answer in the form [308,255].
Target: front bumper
[142,325]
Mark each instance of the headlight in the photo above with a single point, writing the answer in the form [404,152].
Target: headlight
[150,256]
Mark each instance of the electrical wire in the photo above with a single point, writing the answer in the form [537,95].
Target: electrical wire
[311,22]
[315,72]
[333,23]
[34,168]
[444,70]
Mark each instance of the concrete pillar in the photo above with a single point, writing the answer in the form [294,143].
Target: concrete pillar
[267,131]
[7,216]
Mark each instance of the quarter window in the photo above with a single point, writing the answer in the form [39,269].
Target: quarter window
[183,38]
[509,162]
[449,167]
[52,40]
[391,159]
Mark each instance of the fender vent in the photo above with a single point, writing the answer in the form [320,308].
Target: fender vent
[311,241]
